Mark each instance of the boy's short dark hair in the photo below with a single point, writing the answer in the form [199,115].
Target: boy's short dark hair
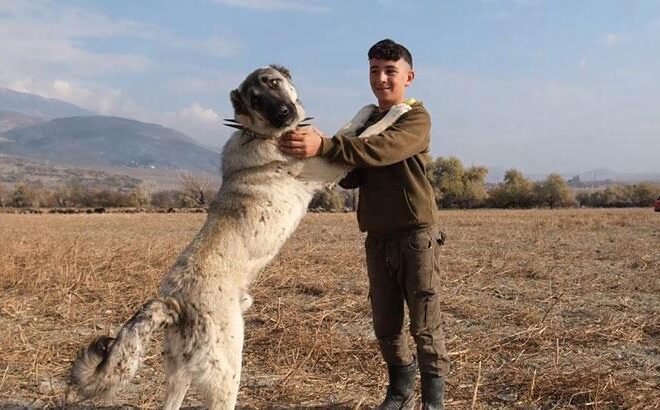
[390,50]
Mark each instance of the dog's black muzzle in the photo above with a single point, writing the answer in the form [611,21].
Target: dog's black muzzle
[282,115]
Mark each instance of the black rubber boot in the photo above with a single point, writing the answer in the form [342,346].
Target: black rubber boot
[401,390]
[433,390]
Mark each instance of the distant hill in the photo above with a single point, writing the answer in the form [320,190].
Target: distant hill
[600,175]
[609,175]
[19,169]
[37,106]
[14,170]
[13,119]
[109,141]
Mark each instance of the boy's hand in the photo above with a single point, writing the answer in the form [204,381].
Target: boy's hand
[302,143]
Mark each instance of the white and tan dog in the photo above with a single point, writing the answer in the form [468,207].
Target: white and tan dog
[263,197]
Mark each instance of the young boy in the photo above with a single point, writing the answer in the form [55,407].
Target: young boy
[397,210]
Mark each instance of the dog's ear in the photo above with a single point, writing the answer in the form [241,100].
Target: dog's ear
[284,71]
[239,108]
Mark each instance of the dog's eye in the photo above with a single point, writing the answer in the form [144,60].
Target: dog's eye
[274,83]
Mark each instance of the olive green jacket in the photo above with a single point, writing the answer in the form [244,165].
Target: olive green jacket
[390,170]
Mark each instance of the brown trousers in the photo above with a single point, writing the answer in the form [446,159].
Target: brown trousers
[402,269]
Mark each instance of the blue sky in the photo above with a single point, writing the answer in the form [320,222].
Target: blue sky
[537,85]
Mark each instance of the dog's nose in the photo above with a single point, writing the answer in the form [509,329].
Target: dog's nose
[283,112]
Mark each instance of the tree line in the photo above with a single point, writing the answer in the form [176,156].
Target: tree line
[454,186]
[458,187]
[192,192]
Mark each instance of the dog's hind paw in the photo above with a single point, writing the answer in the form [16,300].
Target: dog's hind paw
[245,301]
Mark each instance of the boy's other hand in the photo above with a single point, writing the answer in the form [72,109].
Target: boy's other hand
[302,142]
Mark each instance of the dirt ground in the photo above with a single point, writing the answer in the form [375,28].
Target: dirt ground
[542,309]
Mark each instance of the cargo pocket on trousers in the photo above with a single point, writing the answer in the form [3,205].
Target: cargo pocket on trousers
[420,241]
[419,264]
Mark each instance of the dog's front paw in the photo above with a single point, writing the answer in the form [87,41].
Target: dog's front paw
[357,122]
[399,109]
[245,301]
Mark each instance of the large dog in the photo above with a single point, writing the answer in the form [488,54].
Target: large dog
[263,197]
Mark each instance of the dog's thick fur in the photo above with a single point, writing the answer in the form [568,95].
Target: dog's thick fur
[263,197]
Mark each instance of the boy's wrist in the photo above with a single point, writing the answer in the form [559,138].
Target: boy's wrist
[326,145]
[319,150]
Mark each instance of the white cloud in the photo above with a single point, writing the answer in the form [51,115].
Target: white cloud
[43,39]
[269,5]
[94,97]
[208,84]
[212,46]
[612,38]
[198,113]
[199,122]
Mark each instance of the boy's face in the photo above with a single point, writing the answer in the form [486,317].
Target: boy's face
[389,80]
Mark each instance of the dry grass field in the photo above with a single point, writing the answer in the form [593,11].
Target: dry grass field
[542,309]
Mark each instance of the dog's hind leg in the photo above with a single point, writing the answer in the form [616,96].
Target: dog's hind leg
[219,385]
[178,382]
[219,377]
[178,376]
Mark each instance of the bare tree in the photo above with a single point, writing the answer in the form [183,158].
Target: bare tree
[193,188]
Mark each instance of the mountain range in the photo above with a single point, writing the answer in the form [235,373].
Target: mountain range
[37,106]
[103,141]
[13,119]
[43,129]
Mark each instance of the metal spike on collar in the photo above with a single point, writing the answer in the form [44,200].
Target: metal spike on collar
[237,126]
[303,122]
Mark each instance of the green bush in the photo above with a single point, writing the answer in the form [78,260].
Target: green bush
[554,192]
[454,186]
[515,192]
[620,196]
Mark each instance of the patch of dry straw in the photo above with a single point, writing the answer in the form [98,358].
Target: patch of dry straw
[542,309]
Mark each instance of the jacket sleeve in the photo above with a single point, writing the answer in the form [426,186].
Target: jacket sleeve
[353,179]
[408,136]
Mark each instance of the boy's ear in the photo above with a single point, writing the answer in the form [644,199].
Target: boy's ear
[411,77]
[283,70]
[239,108]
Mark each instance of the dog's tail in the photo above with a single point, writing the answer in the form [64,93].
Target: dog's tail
[110,362]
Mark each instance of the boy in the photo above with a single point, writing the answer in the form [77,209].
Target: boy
[397,210]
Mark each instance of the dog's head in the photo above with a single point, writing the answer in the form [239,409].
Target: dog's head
[266,101]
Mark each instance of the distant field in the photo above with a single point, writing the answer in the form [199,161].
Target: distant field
[17,169]
[542,308]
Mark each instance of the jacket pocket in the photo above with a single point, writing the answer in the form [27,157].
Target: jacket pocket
[420,241]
